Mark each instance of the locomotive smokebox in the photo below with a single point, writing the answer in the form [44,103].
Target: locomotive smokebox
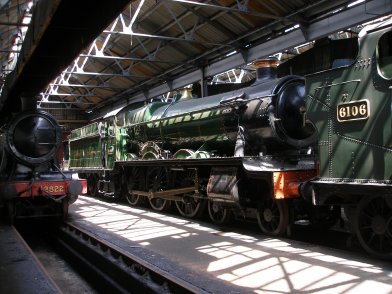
[33,138]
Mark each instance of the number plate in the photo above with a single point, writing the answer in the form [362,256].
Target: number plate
[53,189]
[357,110]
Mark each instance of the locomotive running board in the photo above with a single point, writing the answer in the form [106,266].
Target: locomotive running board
[270,164]
[184,162]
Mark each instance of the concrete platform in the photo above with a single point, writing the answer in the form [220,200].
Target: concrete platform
[225,261]
[20,272]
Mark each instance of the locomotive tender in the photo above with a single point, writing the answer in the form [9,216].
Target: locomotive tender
[31,184]
[280,149]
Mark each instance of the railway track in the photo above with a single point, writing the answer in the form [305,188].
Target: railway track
[201,262]
[74,258]
[114,269]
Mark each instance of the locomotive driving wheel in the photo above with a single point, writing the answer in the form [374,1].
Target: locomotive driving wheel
[273,217]
[157,180]
[373,225]
[135,182]
[219,214]
[192,204]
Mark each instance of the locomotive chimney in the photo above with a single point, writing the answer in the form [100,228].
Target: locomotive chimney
[266,69]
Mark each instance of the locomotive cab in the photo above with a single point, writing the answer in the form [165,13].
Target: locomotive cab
[351,108]
[350,113]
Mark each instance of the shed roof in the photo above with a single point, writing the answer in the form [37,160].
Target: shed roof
[154,47]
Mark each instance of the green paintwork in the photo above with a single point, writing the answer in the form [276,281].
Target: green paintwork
[85,147]
[100,144]
[86,131]
[354,149]
[168,123]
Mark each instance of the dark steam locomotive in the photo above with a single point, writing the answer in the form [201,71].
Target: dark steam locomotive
[31,183]
[237,150]
[284,149]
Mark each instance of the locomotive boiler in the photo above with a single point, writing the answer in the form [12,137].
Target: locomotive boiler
[31,183]
[267,117]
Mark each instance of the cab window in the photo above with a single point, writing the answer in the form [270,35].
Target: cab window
[385,55]
[120,118]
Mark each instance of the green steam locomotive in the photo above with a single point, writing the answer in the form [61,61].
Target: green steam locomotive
[281,149]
